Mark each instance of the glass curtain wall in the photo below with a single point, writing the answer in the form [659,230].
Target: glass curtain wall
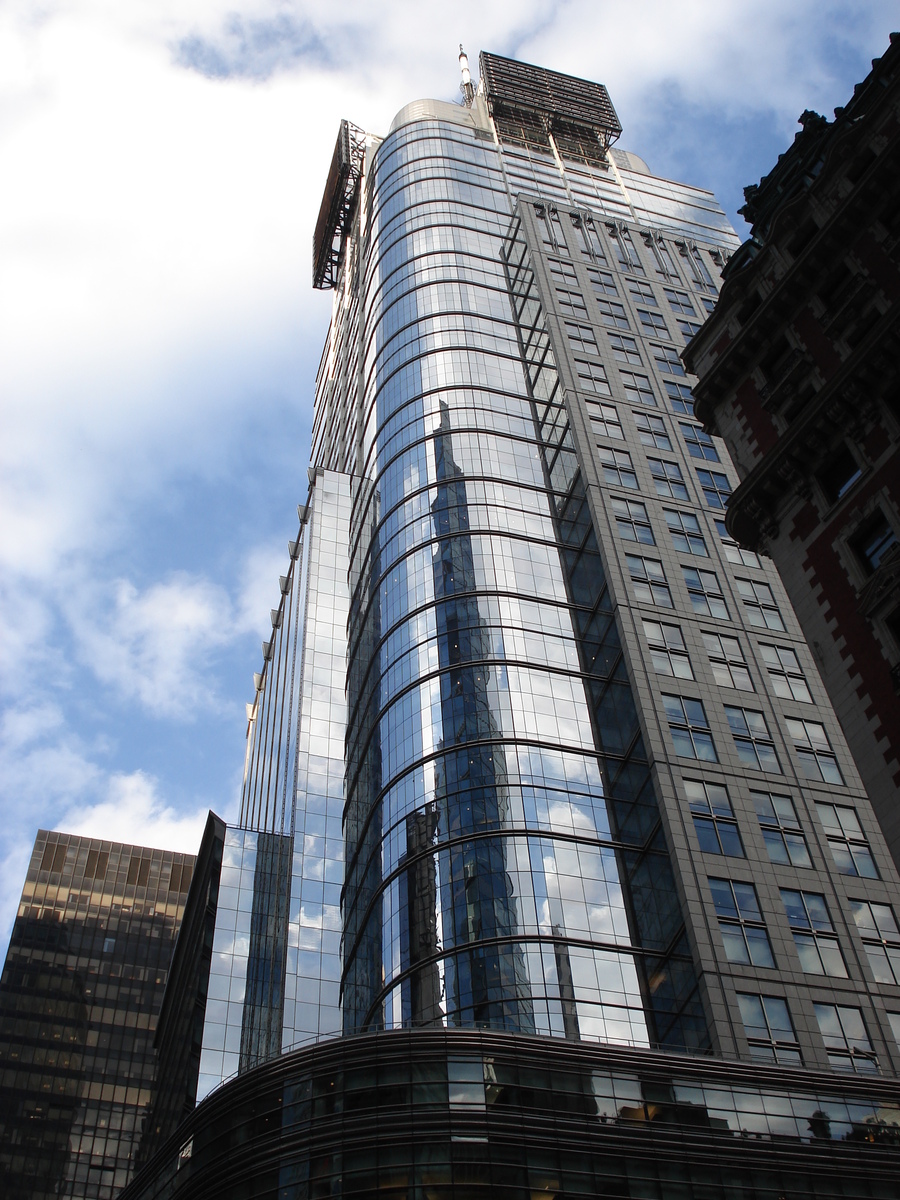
[275,969]
[483,887]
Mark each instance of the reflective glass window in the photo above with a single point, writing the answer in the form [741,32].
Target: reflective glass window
[617,466]
[752,739]
[652,322]
[715,487]
[652,430]
[785,672]
[729,667]
[699,444]
[740,923]
[602,282]
[668,652]
[667,360]
[878,929]
[733,552]
[571,303]
[679,302]
[637,388]
[873,541]
[685,530]
[465,1083]
[780,828]
[705,593]
[592,378]
[581,337]
[813,749]
[689,728]
[846,1038]
[625,249]
[632,521]
[564,274]
[605,419]
[667,479]
[846,840]
[759,604]
[814,934]
[696,267]
[649,581]
[612,313]
[769,1029]
[642,291]
[625,349]
[589,236]
[681,398]
[661,255]
[713,818]
[687,328]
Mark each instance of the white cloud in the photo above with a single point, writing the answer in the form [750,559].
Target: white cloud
[155,273]
[155,645]
[133,811]
[48,775]
[258,590]
[158,645]
[19,727]
[156,222]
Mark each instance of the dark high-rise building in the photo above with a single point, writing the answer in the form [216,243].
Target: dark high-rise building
[179,1030]
[553,874]
[79,999]
[800,373]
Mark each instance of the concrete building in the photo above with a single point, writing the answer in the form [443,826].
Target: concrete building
[799,373]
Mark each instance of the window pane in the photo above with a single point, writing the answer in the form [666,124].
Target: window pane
[760,950]
[752,1015]
[775,845]
[880,964]
[731,842]
[723,899]
[706,835]
[778,1017]
[735,947]
[706,751]
[865,864]
[809,954]
[832,959]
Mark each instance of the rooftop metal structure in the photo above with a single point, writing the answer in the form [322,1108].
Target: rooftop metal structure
[338,204]
[529,103]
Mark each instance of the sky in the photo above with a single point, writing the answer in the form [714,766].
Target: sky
[162,165]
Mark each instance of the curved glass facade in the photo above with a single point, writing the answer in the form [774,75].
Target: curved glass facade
[482,883]
[466,1116]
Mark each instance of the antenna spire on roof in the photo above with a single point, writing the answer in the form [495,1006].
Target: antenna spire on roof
[467,87]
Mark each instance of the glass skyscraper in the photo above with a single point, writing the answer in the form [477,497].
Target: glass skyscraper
[538,755]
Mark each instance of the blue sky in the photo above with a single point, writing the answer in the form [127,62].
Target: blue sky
[163,164]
